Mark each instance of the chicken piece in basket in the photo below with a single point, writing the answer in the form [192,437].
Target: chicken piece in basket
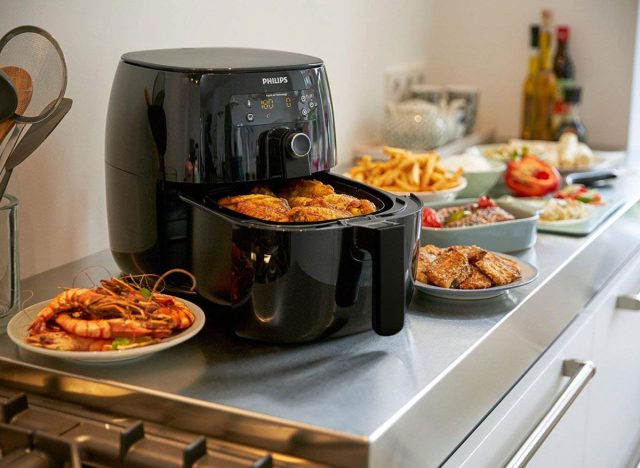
[348,203]
[342,202]
[258,206]
[306,188]
[316,213]
[299,201]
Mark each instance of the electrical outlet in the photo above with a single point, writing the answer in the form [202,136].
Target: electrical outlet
[399,79]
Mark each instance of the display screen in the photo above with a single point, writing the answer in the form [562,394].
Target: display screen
[259,109]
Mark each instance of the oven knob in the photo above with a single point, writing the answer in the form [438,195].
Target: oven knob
[298,145]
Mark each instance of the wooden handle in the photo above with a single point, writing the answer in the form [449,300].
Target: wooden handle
[24,87]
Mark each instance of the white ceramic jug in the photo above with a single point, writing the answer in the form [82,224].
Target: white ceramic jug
[421,125]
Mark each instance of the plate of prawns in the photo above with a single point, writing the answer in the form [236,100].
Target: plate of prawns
[119,319]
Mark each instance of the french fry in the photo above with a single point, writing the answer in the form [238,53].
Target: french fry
[406,186]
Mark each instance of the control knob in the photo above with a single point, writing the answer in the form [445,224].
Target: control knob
[297,144]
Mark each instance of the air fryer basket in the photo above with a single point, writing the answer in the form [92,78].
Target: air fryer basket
[290,282]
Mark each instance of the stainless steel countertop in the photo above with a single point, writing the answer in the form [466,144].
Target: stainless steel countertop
[359,385]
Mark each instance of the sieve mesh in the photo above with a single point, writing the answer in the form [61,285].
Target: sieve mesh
[37,52]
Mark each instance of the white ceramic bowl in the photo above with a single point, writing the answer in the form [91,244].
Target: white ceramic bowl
[479,183]
[481,173]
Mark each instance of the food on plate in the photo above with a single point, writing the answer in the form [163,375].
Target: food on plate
[119,314]
[469,162]
[465,267]
[580,193]
[571,153]
[568,153]
[530,176]
[563,209]
[430,218]
[406,172]
[298,201]
[483,211]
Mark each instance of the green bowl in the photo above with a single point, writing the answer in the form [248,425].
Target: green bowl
[480,183]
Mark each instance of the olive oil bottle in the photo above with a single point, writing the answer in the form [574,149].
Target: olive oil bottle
[544,86]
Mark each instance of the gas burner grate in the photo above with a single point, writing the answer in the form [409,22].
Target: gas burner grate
[46,438]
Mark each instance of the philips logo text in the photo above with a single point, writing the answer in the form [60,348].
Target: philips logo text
[276,80]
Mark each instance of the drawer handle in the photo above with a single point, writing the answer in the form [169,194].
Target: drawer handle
[580,373]
[628,302]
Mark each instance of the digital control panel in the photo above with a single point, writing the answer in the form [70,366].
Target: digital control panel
[276,107]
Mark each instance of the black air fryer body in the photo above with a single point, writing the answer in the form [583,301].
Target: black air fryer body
[188,126]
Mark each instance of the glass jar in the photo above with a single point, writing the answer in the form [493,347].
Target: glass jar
[9,265]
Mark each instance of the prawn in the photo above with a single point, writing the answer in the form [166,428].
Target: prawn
[63,341]
[107,328]
[67,300]
[177,312]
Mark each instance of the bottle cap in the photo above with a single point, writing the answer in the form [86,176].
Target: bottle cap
[563,33]
[572,94]
[534,35]
[547,19]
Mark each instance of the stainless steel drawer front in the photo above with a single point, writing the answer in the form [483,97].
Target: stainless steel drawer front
[580,372]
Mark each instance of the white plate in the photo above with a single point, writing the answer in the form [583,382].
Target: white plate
[573,227]
[599,159]
[440,195]
[18,326]
[529,273]
[428,197]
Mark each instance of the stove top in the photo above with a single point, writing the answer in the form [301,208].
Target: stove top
[36,432]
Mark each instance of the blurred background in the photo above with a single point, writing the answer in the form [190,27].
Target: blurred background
[483,44]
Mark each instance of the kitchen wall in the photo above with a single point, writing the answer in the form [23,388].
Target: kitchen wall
[634,124]
[61,187]
[485,43]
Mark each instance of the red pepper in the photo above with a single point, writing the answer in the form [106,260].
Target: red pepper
[530,176]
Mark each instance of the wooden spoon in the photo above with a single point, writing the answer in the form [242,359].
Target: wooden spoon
[24,87]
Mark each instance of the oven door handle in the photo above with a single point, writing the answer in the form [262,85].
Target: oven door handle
[385,243]
[581,372]
[628,302]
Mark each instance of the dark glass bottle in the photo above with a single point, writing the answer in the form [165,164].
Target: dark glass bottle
[562,62]
[564,70]
[570,120]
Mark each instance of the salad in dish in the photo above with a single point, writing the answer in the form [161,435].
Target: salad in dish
[580,193]
[557,209]
[565,154]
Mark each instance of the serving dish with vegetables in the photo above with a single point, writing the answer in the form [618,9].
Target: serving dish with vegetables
[574,210]
[485,222]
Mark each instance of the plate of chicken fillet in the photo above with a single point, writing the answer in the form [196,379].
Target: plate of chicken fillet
[103,325]
[469,272]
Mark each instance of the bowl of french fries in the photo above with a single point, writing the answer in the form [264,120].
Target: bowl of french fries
[407,172]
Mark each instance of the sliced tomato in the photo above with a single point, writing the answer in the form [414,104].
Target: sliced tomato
[486,202]
[430,218]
